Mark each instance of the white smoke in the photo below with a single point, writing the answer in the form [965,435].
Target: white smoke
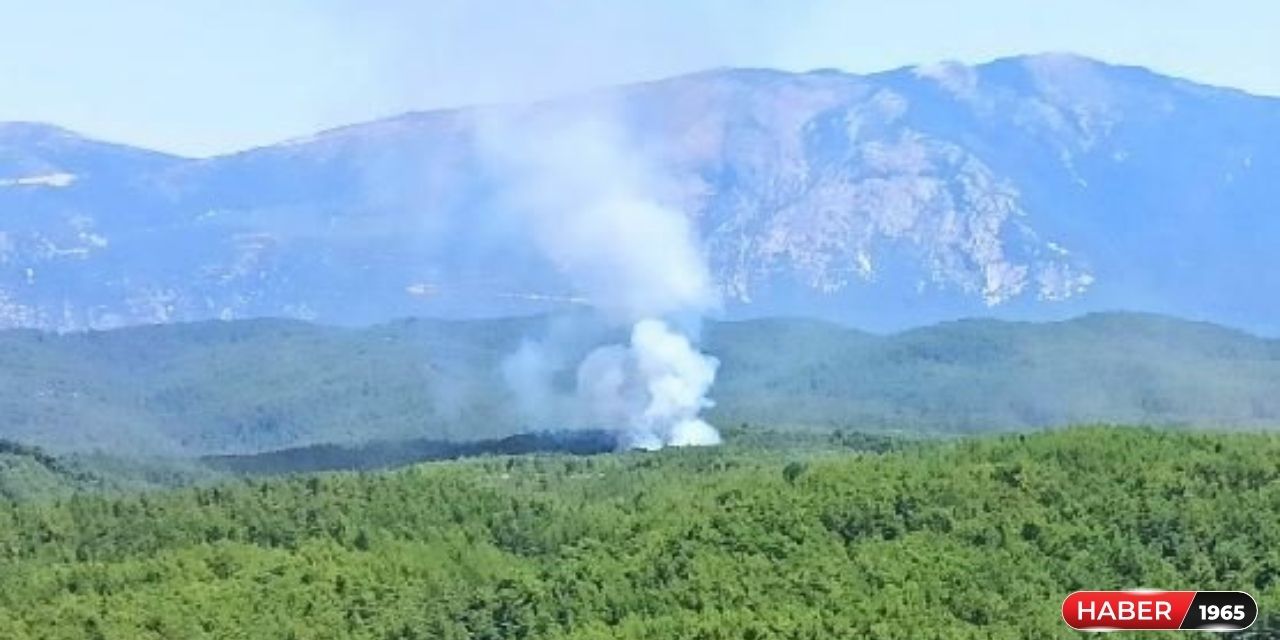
[599,212]
[654,388]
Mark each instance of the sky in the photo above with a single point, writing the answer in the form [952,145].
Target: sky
[203,77]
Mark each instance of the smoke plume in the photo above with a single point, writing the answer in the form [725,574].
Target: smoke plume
[599,212]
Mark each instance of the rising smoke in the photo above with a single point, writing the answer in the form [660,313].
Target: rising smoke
[596,209]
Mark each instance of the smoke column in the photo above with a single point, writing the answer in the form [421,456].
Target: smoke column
[595,209]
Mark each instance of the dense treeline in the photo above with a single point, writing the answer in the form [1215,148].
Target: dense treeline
[966,539]
[382,455]
[30,473]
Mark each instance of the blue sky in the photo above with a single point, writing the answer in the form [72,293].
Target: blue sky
[200,77]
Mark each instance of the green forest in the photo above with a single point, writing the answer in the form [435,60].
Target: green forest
[249,386]
[836,536]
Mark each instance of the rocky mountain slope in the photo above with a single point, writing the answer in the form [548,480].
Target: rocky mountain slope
[1034,187]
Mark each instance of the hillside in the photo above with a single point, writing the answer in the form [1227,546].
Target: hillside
[31,474]
[1036,187]
[977,375]
[27,473]
[975,539]
[247,386]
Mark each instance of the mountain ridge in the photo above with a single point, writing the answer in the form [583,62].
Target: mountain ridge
[51,127]
[209,388]
[1028,187]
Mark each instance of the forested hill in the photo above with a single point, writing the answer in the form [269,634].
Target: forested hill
[27,472]
[978,538]
[259,385]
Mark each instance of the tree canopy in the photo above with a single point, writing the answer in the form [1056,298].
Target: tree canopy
[960,539]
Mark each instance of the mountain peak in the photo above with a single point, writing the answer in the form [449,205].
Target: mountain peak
[1057,57]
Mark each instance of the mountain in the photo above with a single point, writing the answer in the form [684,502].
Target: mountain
[1037,187]
[259,385]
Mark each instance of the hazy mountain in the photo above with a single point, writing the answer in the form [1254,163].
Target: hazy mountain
[1033,187]
[255,385]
